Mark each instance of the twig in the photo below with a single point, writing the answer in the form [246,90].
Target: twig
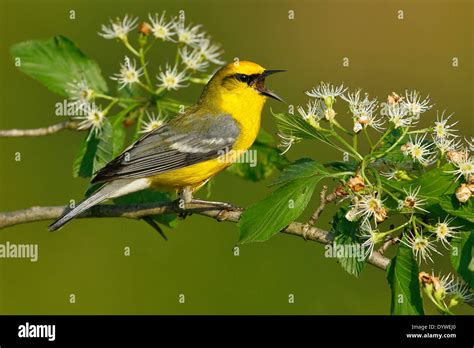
[323,200]
[389,241]
[216,210]
[37,132]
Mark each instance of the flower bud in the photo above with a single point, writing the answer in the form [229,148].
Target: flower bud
[470,179]
[340,191]
[329,114]
[463,193]
[356,183]
[406,148]
[357,127]
[381,215]
[456,156]
[144,28]
[394,99]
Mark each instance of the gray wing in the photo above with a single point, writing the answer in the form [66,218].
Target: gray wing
[171,147]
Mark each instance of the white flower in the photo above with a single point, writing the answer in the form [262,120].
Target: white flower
[80,92]
[464,165]
[325,90]
[470,143]
[421,246]
[420,151]
[459,290]
[193,59]
[94,119]
[210,51]
[372,237]
[443,231]
[446,144]
[368,206]
[414,104]
[119,28]
[441,129]
[314,112]
[153,122]
[129,74]
[411,201]
[171,78]
[363,111]
[398,115]
[189,35]
[160,28]
[286,141]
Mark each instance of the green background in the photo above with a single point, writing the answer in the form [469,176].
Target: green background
[86,258]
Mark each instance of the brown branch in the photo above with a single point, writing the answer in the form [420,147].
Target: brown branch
[216,210]
[323,200]
[37,132]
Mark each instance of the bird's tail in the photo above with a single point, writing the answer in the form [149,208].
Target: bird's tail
[110,190]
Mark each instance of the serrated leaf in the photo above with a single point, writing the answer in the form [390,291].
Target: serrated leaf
[148,196]
[302,168]
[462,256]
[269,216]
[56,63]
[352,259]
[402,276]
[462,210]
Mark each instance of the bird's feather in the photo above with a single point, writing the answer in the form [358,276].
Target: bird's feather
[183,142]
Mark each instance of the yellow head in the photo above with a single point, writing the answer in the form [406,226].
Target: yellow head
[240,84]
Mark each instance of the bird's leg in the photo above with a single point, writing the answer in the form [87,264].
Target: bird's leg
[186,194]
[185,197]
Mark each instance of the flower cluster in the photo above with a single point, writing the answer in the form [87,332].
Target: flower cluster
[445,292]
[196,52]
[381,186]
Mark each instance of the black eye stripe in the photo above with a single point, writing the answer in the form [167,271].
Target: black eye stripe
[246,78]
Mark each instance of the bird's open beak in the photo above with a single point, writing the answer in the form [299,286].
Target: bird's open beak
[260,84]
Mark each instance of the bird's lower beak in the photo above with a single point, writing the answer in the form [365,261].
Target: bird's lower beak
[260,84]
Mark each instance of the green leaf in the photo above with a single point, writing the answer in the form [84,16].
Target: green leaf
[105,147]
[259,162]
[147,196]
[462,210]
[343,166]
[267,159]
[302,168]
[263,137]
[351,256]
[402,276]
[462,256]
[433,184]
[56,63]
[84,161]
[269,216]
[96,151]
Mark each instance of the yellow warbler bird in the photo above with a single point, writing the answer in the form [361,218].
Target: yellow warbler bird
[194,146]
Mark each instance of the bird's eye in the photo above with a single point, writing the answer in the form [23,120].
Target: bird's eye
[242,78]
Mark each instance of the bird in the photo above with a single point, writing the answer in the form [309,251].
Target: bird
[183,154]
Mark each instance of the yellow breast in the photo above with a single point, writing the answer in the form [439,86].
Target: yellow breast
[245,107]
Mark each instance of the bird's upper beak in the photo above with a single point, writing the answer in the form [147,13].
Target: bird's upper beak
[260,84]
